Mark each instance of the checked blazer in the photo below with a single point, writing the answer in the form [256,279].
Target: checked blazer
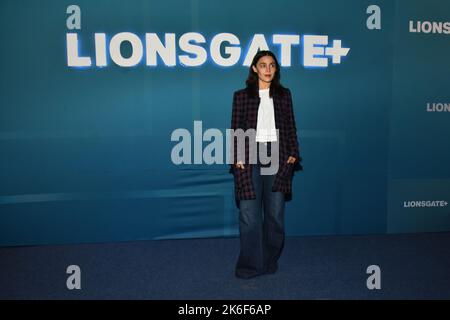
[244,116]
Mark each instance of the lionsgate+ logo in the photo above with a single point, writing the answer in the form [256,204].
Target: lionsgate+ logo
[438,107]
[424,203]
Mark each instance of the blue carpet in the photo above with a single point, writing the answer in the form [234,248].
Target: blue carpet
[413,266]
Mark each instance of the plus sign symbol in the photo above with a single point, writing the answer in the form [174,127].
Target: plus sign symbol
[317,51]
[336,51]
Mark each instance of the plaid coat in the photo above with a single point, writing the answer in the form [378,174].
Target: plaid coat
[245,116]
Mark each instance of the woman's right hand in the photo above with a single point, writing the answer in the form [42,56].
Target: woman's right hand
[239,165]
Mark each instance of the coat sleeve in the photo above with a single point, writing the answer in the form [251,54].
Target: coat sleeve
[236,123]
[294,150]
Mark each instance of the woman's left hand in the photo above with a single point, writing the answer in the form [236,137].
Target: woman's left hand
[291,160]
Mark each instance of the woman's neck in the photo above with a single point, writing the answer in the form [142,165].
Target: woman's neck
[263,85]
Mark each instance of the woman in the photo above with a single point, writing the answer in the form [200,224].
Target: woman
[265,106]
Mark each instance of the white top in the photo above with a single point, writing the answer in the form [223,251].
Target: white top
[265,127]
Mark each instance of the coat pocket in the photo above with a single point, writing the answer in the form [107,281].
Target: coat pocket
[238,177]
[285,170]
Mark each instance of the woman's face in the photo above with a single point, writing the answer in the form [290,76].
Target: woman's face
[265,68]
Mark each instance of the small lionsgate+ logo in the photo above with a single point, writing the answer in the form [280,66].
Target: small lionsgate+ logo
[424,203]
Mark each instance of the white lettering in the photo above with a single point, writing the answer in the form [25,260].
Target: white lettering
[192,45]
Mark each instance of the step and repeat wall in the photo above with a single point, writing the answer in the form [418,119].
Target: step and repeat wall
[111,111]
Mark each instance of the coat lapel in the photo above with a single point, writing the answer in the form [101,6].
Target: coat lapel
[277,110]
[252,112]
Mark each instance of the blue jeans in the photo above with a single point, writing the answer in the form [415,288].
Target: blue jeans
[261,227]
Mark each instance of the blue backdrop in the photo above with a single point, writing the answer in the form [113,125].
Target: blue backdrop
[86,152]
